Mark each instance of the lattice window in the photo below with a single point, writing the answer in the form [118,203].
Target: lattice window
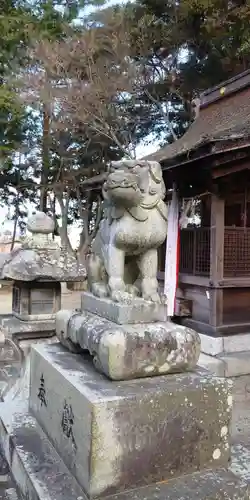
[187,246]
[195,251]
[16,299]
[42,301]
[202,255]
[236,252]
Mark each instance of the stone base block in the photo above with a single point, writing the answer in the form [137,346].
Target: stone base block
[226,356]
[136,311]
[236,364]
[116,436]
[40,474]
[13,326]
[227,365]
[230,344]
[130,351]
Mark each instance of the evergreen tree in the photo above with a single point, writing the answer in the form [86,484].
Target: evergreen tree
[25,135]
[190,46]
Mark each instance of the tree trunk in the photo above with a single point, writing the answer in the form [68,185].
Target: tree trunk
[65,241]
[45,160]
[63,230]
[15,226]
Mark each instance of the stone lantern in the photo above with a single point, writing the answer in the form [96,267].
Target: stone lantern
[37,270]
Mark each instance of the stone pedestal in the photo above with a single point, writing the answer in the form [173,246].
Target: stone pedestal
[74,434]
[15,327]
[117,436]
[130,340]
[133,312]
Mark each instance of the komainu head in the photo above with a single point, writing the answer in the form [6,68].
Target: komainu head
[133,182]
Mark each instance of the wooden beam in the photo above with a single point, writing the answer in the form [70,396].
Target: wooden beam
[216,307]
[230,169]
[225,89]
[190,279]
[217,238]
[216,258]
[234,282]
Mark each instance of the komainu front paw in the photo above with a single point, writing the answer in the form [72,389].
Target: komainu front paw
[122,297]
[99,289]
[133,290]
[152,297]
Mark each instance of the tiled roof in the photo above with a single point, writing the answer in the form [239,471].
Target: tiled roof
[224,119]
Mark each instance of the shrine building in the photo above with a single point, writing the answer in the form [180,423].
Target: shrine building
[210,165]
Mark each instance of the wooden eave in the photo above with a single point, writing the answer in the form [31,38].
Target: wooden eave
[207,168]
[222,122]
[209,150]
[225,89]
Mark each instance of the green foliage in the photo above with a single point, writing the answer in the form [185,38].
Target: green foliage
[178,48]
[21,134]
[186,47]
[213,35]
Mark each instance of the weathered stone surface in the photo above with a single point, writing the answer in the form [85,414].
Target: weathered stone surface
[240,462]
[135,310]
[129,351]
[217,485]
[13,326]
[36,468]
[212,364]
[10,352]
[123,261]
[40,474]
[115,436]
[4,468]
[40,258]
[27,264]
[39,222]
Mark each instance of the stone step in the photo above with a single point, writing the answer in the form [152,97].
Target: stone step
[236,364]
[37,470]
[212,364]
[227,364]
[214,346]
[209,485]
[15,327]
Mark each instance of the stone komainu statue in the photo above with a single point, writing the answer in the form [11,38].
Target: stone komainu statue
[123,261]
